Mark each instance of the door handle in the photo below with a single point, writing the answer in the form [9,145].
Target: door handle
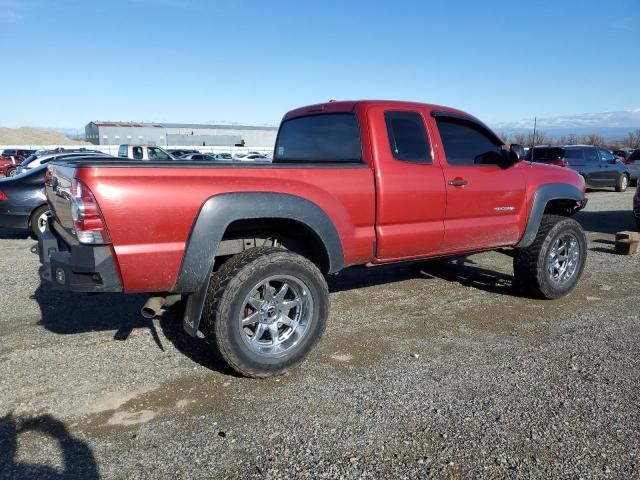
[458,182]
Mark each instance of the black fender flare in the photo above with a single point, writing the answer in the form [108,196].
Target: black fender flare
[544,194]
[217,213]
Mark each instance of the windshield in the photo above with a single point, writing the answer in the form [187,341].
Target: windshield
[158,154]
[319,138]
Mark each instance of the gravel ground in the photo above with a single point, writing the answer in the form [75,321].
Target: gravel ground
[424,372]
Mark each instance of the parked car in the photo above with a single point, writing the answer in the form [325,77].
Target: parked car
[597,166]
[144,152]
[636,206]
[197,156]
[351,183]
[178,153]
[633,164]
[623,155]
[23,204]
[35,160]
[223,156]
[11,158]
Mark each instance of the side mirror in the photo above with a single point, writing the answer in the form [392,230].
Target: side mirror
[517,152]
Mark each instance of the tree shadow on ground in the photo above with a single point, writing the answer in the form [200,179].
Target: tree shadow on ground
[78,461]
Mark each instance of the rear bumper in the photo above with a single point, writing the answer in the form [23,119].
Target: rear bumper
[14,220]
[77,268]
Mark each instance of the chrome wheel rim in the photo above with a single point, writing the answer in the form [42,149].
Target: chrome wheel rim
[563,258]
[624,182]
[11,173]
[276,315]
[42,222]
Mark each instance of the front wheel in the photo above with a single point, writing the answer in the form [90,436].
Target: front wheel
[551,266]
[11,172]
[622,183]
[266,309]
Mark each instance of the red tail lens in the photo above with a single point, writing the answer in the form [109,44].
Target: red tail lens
[3,196]
[561,163]
[87,217]
[48,176]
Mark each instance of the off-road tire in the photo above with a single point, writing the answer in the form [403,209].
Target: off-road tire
[225,298]
[531,276]
[622,183]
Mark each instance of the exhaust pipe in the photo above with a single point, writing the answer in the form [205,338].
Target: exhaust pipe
[156,305]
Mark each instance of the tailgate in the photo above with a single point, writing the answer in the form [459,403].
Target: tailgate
[58,192]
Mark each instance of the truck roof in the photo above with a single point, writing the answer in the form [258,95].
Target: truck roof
[333,106]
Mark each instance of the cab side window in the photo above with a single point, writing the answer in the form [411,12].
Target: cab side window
[137,153]
[407,137]
[466,143]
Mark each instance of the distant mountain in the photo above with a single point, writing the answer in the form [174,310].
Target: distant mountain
[611,125]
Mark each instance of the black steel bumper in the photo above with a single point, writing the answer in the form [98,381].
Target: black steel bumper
[77,268]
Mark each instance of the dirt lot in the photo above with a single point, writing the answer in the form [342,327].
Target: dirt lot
[423,372]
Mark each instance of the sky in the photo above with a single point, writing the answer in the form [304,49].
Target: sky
[67,62]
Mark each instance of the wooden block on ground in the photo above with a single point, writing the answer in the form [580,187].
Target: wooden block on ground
[626,246]
[626,235]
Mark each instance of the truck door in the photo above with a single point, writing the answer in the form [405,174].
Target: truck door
[485,198]
[410,193]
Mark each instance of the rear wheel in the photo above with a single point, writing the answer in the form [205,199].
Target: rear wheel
[10,172]
[622,183]
[266,309]
[551,266]
[38,221]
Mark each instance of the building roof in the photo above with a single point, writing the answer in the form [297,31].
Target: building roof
[181,125]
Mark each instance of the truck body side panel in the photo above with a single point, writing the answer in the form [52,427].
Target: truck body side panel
[149,212]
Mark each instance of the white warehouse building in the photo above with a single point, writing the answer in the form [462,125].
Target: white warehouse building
[184,134]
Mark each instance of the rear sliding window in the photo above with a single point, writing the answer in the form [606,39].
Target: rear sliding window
[546,155]
[331,137]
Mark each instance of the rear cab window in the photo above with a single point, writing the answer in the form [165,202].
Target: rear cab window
[323,138]
[123,151]
[408,137]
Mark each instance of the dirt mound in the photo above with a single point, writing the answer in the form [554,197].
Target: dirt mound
[33,136]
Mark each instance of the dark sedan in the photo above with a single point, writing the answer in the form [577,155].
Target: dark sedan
[22,201]
[598,167]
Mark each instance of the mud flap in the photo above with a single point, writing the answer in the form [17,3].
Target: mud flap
[193,310]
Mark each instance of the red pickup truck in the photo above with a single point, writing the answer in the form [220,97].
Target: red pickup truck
[351,183]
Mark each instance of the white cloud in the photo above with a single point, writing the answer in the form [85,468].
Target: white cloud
[619,119]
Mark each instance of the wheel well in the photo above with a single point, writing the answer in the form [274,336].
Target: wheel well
[290,234]
[561,206]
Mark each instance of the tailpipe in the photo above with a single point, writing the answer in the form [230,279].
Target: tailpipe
[156,305]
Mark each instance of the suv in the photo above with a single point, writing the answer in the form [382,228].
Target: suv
[597,166]
[248,245]
[38,159]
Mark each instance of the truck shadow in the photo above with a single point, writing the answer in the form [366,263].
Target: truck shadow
[78,461]
[462,270]
[608,222]
[67,313]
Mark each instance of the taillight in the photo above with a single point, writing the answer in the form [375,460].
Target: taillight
[48,176]
[87,217]
[561,163]
[3,196]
